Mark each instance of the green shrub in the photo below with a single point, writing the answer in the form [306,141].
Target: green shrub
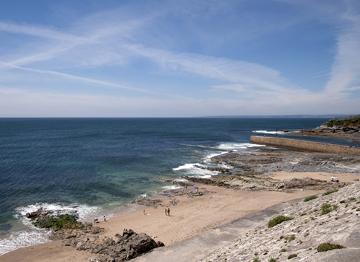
[327,208]
[330,192]
[272,260]
[292,256]
[256,260]
[283,250]
[323,247]
[278,220]
[351,121]
[306,199]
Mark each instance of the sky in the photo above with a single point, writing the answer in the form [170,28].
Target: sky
[118,58]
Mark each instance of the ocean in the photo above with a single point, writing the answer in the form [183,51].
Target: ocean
[95,166]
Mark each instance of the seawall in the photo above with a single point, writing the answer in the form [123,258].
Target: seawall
[305,145]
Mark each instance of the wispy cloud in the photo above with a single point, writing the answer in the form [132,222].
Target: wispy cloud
[107,43]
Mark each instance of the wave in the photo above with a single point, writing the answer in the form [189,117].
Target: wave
[237,146]
[23,239]
[83,211]
[188,166]
[171,187]
[269,132]
[32,235]
[196,169]
[211,155]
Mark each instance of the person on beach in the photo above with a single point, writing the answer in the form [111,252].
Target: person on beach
[104,219]
[168,211]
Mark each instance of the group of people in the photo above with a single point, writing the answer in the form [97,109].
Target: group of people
[167,211]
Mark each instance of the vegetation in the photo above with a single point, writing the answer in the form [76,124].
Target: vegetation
[330,192]
[327,208]
[351,121]
[309,198]
[328,246]
[272,260]
[278,220]
[283,250]
[256,259]
[292,256]
[64,221]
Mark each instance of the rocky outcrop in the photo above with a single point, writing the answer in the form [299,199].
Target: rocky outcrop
[87,237]
[256,183]
[343,128]
[124,247]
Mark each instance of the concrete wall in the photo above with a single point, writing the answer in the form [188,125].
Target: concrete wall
[305,145]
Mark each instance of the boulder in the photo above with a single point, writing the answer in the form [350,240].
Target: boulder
[126,246]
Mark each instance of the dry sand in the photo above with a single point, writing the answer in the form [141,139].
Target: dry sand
[189,217]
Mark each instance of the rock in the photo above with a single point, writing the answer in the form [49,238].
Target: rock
[127,246]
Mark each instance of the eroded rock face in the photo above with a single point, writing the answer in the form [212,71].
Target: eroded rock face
[301,235]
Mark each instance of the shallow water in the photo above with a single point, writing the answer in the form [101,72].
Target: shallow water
[92,165]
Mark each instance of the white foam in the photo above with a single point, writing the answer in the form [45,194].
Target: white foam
[237,146]
[196,169]
[84,211]
[188,166]
[23,239]
[269,132]
[181,180]
[211,155]
[33,235]
[171,187]
[225,166]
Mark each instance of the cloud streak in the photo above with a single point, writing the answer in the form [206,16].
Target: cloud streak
[104,43]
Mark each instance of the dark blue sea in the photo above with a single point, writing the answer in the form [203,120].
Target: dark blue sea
[96,165]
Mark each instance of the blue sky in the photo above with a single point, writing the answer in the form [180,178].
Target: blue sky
[179,58]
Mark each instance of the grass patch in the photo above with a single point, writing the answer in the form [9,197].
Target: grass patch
[256,259]
[328,246]
[272,260]
[278,220]
[327,208]
[292,256]
[330,192]
[309,198]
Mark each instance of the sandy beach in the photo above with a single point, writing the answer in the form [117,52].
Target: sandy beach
[189,217]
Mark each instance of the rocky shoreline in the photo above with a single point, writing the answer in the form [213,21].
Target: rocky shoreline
[87,237]
[253,171]
[341,128]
